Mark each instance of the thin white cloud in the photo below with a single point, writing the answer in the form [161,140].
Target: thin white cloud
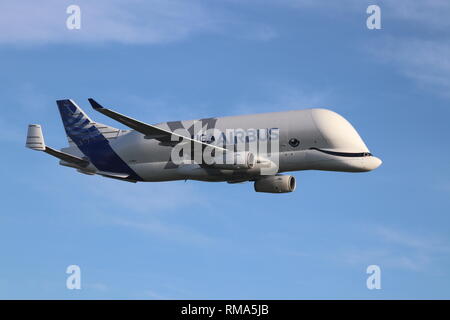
[416,242]
[283,97]
[97,286]
[398,249]
[423,54]
[143,207]
[428,13]
[420,50]
[148,198]
[120,21]
[385,259]
[148,208]
[414,38]
[133,21]
[171,232]
[153,295]
[425,61]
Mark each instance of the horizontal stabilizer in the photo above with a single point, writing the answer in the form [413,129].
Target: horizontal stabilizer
[66,157]
[35,141]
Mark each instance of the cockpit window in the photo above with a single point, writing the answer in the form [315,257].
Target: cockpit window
[344,154]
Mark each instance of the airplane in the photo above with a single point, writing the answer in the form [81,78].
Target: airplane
[233,149]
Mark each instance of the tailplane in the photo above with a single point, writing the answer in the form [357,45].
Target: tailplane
[35,141]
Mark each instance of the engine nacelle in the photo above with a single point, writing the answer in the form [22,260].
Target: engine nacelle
[235,161]
[275,184]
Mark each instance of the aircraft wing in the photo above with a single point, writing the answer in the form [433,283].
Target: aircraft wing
[145,128]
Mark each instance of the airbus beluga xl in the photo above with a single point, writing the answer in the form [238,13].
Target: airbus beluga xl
[257,147]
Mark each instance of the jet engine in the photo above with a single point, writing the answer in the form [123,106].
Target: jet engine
[235,161]
[275,184]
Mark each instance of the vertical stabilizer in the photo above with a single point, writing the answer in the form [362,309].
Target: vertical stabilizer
[80,128]
[93,140]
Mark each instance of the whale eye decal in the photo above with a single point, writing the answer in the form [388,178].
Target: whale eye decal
[294,142]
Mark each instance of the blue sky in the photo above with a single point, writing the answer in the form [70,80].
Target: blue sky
[170,60]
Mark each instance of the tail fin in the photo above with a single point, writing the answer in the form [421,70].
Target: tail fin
[93,139]
[80,128]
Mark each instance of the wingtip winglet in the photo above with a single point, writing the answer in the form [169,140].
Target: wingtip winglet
[35,138]
[95,104]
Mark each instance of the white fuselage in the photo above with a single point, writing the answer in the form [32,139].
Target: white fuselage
[311,139]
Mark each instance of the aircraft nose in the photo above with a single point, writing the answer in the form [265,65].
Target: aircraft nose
[371,163]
